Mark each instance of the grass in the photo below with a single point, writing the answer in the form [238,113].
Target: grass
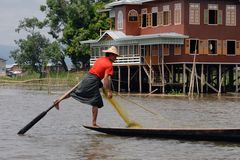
[52,78]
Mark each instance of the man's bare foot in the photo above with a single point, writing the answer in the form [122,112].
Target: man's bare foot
[95,125]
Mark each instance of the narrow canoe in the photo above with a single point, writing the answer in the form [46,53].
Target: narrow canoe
[212,134]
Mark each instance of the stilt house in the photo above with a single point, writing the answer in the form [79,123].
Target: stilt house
[173,45]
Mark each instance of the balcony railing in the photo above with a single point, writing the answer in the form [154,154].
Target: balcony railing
[122,60]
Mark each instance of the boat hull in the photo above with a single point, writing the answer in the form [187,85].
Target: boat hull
[232,135]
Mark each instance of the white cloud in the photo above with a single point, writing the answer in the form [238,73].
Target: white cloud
[12,11]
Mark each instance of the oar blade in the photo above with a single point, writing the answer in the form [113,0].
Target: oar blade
[32,123]
[40,116]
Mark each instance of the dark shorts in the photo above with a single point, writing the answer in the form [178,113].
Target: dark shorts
[88,91]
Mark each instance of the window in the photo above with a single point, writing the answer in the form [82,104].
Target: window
[212,15]
[171,49]
[133,50]
[120,20]
[194,13]
[177,13]
[166,15]
[231,47]
[132,16]
[95,52]
[123,50]
[160,18]
[230,15]
[154,50]
[194,46]
[177,49]
[144,17]
[154,16]
[212,47]
[143,50]
[166,49]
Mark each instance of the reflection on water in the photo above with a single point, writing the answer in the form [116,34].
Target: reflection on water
[60,135]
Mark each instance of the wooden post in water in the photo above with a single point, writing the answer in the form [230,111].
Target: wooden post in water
[219,79]
[207,79]
[119,79]
[150,70]
[191,86]
[196,80]
[163,73]
[129,81]
[140,78]
[184,78]
[172,77]
[202,77]
[208,84]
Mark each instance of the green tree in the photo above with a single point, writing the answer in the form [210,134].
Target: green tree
[30,52]
[72,21]
[35,51]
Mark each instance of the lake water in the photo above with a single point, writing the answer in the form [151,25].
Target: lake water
[60,135]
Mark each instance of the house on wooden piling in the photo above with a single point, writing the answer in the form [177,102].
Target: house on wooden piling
[180,45]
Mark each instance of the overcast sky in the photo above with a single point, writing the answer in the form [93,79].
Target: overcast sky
[12,11]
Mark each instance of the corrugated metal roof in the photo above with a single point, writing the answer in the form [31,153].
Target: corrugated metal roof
[122,2]
[152,36]
[109,33]
[119,38]
[114,34]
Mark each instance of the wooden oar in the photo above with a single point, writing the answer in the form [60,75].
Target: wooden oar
[40,116]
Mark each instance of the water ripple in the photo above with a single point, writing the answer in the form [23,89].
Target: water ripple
[60,135]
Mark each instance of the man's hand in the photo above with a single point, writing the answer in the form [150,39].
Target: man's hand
[109,94]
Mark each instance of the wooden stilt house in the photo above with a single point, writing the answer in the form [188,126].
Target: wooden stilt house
[174,45]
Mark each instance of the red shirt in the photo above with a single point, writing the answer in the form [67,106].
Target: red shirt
[101,67]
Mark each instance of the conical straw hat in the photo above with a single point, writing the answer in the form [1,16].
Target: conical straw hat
[112,49]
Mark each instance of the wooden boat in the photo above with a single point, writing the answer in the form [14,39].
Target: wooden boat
[212,134]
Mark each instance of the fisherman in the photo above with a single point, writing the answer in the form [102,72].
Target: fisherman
[88,90]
